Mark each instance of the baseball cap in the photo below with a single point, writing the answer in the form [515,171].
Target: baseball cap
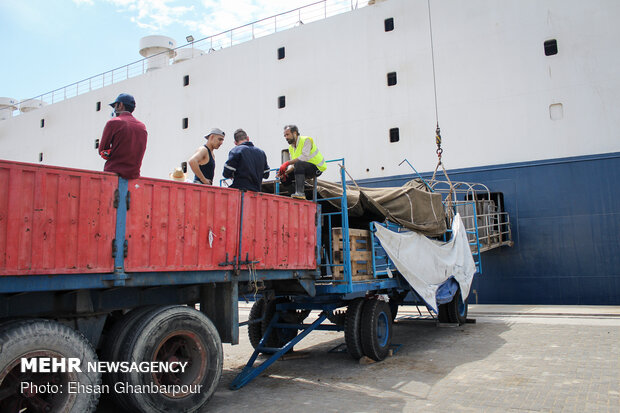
[125,99]
[215,131]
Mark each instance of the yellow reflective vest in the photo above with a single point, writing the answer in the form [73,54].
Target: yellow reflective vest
[315,156]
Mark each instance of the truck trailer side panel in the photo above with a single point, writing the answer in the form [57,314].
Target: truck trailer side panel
[278,232]
[174,226]
[43,207]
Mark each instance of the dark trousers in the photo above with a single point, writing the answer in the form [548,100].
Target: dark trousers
[303,170]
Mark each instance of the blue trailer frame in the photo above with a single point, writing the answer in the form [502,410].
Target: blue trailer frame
[334,294]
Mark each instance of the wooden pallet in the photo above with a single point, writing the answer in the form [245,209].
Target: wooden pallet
[361,254]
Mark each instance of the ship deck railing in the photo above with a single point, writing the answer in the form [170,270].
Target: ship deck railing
[316,11]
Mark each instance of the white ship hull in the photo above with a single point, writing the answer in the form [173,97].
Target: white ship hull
[542,130]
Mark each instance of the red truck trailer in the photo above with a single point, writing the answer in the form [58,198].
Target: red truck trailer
[101,278]
[97,271]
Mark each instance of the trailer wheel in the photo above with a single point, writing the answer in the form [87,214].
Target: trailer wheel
[337,317]
[393,309]
[455,311]
[113,344]
[376,329]
[279,336]
[45,392]
[173,334]
[352,328]
[442,313]
[255,329]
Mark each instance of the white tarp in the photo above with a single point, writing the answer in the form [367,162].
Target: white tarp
[427,263]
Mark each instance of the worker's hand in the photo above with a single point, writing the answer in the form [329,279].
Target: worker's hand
[282,171]
[105,154]
[207,182]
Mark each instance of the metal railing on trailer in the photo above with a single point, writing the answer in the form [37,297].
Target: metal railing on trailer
[487,224]
[483,215]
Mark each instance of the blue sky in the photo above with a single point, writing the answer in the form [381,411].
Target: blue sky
[48,44]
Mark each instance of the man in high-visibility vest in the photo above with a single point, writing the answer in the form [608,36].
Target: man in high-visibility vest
[306,160]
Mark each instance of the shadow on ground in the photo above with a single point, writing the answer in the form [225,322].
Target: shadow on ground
[331,381]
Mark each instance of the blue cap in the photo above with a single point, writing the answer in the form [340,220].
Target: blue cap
[125,99]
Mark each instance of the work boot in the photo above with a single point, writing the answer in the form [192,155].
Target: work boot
[299,188]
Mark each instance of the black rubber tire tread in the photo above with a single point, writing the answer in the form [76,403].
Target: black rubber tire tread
[278,336]
[19,338]
[269,312]
[255,330]
[370,316]
[301,315]
[443,315]
[393,309]
[114,338]
[145,338]
[352,331]
[338,317]
[112,347]
[453,309]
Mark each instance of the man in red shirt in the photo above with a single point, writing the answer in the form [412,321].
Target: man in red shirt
[124,139]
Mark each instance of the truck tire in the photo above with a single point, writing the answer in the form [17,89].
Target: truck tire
[442,313]
[393,309]
[337,317]
[255,329]
[173,333]
[352,328]
[279,336]
[45,338]
[455,311]
[265,311]
[376,329]
[113,344]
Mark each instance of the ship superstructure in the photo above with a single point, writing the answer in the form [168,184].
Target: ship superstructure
[524,91]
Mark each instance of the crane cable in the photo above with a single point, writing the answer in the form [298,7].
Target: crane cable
[439,150]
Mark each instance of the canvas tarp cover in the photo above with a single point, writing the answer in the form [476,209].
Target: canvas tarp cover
[426,263]
[412,206]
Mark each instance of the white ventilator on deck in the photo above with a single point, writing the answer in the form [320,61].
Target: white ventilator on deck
[426,263]
[186,54]
[158,50]
[7,106]
[30,105]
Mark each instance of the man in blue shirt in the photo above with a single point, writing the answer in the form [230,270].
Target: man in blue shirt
[246,164]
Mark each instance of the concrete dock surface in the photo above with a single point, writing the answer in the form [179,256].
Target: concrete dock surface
[514,358]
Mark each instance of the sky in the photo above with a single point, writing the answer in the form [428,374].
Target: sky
[49,44]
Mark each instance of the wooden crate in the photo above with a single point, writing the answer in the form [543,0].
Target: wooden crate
[361,254]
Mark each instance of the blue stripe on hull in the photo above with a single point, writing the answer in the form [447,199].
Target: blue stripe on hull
[565,216]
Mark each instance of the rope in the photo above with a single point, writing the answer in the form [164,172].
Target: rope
[253,279]
[349,175]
